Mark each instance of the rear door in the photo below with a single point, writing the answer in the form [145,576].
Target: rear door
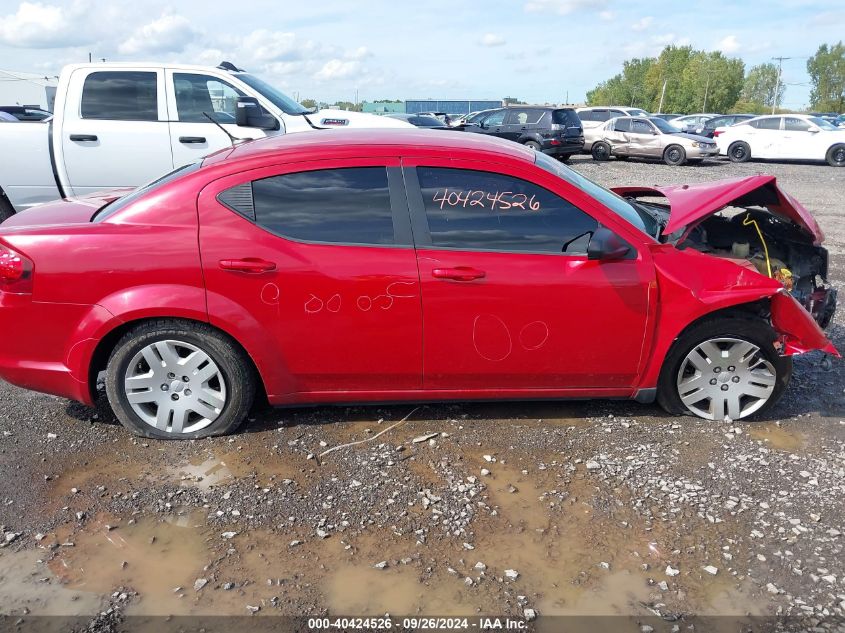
[190,97]
[767,138]
[510,300]
[115,131]
[521,123]
[320,255]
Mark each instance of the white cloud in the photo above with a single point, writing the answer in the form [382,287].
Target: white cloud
[562,7]
[642,24]
[492,39]
[728,44]
[607,16]
[37,25]
[275,46]
[338,69]
[171,33]
[362,52]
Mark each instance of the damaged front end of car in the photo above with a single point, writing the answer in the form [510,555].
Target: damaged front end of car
[759,227]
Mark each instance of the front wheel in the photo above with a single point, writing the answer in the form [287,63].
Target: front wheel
[674,155]
[175,380]
[836,156]
[724,369]
[600,151]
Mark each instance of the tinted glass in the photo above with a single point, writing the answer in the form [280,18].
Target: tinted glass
[196,94]
[518,116]
[120,96]
[795,125]
[349,206]
[491,212]
[622,125]
[566,117]
[602,115]
[587,115]
[769,123]
[497,118]
[425,121]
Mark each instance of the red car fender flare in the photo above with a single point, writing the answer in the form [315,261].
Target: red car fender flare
[798,330]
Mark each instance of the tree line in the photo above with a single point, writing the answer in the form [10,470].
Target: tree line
[685,80]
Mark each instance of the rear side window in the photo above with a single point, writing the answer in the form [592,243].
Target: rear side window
[120,96]
[341,206]
[523,117]
[769,123]
[477,210]
[622,125]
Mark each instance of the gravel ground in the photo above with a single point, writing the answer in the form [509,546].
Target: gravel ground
[513,509]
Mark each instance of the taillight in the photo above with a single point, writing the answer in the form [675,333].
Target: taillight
[716,133]
[15,272]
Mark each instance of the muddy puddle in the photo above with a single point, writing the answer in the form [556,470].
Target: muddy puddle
[777,437]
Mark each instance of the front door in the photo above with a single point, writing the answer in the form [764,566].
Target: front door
[321,258]
[510,300]
[644,139]
[120,135]
[192,135]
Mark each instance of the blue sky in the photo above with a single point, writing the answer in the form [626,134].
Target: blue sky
[536,50]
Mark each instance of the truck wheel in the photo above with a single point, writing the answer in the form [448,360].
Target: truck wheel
[532,145]
[739,152]
[601,151]
[674,155]
[836,155]
[6,208]
[723,368]
[175,380]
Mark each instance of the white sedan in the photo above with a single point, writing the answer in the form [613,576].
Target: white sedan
[784,137]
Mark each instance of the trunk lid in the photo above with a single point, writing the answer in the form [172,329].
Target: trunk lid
[62,212]
[690,204]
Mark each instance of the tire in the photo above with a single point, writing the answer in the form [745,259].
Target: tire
[601,151]
[674,155]
[6,208]
[564,158]
[755,375]
[835,156]
[739,152]
[532,145]
[222,378]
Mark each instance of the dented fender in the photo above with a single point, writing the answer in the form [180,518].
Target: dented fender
[798,330]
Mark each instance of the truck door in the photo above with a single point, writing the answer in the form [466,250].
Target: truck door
[190,97]
[114,131]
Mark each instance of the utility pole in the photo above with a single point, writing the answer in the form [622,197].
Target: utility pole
[706,89]
[662,93]
[777,83]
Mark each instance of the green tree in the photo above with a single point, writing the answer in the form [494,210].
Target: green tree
[309,103]
[669,68]
[827,76]
[759,88]
[627,88]
[348,105]
[512,101]
[711,82]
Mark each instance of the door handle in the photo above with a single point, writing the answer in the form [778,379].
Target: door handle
[83,137]
[191,139]
[524,127]
[459,273]
[247,265]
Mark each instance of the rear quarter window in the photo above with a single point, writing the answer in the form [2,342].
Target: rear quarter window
[566,117]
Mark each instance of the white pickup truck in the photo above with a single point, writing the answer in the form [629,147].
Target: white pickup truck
[121,125]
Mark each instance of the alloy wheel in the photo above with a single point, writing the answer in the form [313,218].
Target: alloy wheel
[725,377]
[175,387]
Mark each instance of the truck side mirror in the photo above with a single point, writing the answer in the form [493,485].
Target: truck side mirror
[249,114]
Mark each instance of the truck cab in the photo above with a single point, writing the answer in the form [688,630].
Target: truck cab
[123,124]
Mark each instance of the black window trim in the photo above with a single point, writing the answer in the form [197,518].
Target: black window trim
[402,232]
[422,232]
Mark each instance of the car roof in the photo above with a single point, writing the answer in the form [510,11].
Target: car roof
[324,144]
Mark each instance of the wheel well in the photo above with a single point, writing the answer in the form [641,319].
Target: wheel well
[100,357]
[754,310]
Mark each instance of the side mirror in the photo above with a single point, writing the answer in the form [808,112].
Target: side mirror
[248,114]
[605,245]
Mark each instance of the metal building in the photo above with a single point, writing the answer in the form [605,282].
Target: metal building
[451,106]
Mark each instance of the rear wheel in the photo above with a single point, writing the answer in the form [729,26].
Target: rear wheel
[532,145]
[739,152]
[600,151]
[726,368]
[836,156]
[174,380]
[674,155]
[564,158]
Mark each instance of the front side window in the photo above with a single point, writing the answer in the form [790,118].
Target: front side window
[477,210]
[345,206]
[601,115]
[198,94]
[497,118]
[794,124]
[120,96]
[641,127]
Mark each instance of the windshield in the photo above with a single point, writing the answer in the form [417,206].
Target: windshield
[277,98]
[621,207]
[661,125]
[821,123]
[120,203]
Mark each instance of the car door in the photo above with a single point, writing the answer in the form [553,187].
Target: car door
[767,138]
[190,97]
[616,134]
[320,256]
[521,123]
[799,142]
[493,123]
[114,131]
[510,301]
[644,139]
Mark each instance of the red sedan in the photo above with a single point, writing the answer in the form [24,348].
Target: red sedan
[362,266]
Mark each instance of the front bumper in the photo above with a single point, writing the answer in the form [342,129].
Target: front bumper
[703,152]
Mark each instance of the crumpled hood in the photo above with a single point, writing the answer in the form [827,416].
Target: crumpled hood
[689,204]
[332,118]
